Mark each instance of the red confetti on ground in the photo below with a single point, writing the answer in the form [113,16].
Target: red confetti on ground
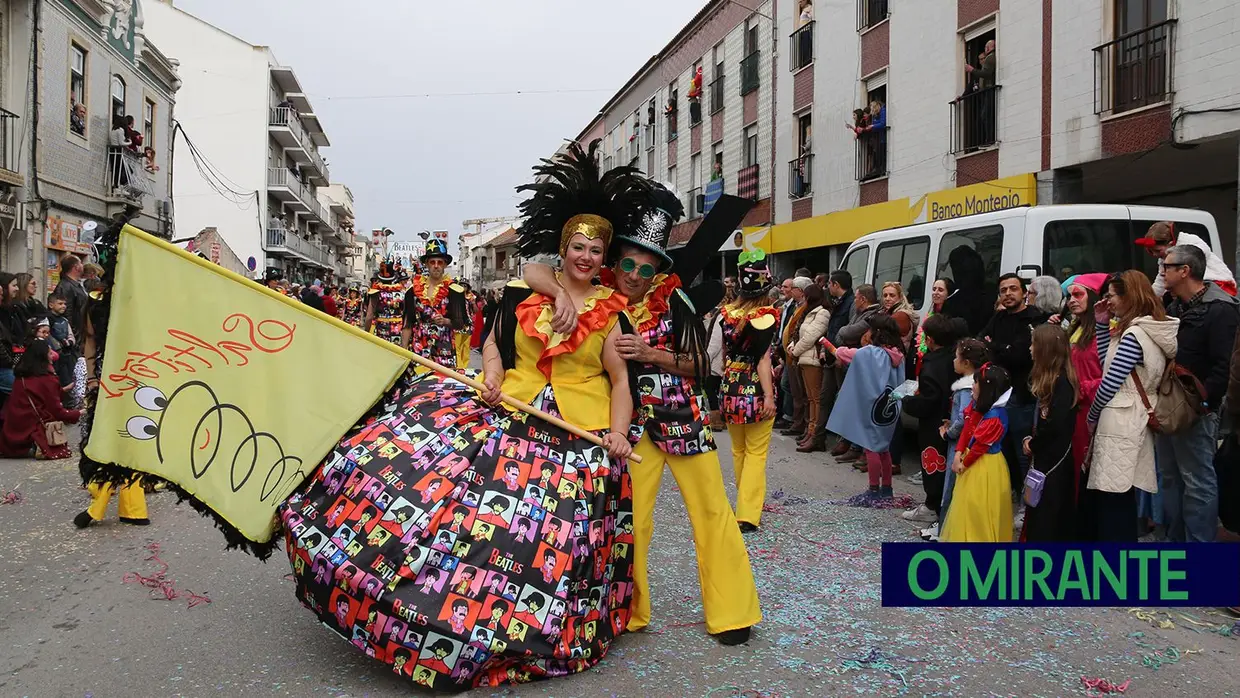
[12,497]
[1102,687]
[159,583]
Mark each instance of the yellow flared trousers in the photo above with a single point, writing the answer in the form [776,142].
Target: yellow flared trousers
[750,444]
[729,596]
[130,501]
[460,341]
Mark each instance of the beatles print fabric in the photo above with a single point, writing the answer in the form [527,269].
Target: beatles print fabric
[671,409]
[463,546]
[388,312]
[741,387]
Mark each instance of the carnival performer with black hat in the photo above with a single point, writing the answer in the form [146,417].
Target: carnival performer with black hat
[272,278]
[351,306]
[665,345]
[385,302]
[434,308]
[494,549]
[747,397]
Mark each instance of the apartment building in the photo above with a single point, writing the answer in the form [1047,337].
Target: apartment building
[337,199]
[252,165]
[699,115]
[1107,101]
[92,68]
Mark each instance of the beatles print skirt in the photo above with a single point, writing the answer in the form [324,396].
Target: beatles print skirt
[463,545]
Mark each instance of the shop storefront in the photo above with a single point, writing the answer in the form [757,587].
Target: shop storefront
[62,235]
[809,242]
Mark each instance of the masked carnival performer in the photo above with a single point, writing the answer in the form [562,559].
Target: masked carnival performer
[351,307]
[665,345]
[434,309]
[470,545]
[747,397]
[385,302]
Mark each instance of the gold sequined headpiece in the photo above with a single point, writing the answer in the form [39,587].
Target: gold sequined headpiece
[589,225]
[571,196]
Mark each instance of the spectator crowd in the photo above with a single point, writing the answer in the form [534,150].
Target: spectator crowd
[1089,408]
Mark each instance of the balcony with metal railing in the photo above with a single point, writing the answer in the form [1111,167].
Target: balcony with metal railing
[285,127]
[872,154]
[126,174]
[318,169]
[801,177]
[9,149]
[801,50]
[975,120]
[750,75]
[1134,70]
[286,243]
[285,186]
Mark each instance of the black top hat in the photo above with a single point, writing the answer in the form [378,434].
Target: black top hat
[436,248]
[651,226]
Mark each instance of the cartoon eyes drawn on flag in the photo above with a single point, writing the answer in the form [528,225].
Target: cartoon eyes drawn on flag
[209,433]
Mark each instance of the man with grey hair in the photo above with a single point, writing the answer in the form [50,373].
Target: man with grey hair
[796,387]
[786,305]
[1208,321]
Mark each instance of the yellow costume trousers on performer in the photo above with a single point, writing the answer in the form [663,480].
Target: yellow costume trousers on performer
[460,340]
[750,444]
[130,501]
[729,596]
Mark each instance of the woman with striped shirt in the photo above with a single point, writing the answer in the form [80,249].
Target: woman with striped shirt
[1136,339]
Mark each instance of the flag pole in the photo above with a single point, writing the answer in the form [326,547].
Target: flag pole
[515,403]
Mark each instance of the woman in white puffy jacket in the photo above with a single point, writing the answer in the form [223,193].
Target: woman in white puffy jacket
[1136,339]
[801,345]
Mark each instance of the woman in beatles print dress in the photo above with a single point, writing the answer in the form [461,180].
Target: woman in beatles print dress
[474,545]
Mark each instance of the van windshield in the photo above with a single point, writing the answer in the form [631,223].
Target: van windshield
[1090,246]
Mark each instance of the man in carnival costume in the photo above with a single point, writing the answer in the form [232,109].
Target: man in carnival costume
[434,308]
[272,278]
[385,301]
[665,345]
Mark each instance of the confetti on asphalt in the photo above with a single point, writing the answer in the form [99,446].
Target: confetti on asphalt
[160,584]
[13,496]
[1102,687]
[868,500]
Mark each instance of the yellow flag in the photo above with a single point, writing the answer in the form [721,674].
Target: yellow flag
[224,387]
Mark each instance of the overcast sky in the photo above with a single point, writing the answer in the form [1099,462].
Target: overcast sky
[426,163]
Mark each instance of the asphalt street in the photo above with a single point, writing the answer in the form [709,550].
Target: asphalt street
[75,622]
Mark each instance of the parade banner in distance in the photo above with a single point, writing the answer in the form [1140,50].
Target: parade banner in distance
[225,388]
[1061,574]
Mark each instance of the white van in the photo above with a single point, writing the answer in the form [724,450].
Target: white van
[1053,240]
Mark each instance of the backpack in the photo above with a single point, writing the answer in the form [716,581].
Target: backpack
[1181,400]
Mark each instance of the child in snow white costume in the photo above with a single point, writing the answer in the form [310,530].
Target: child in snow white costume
[497,551]
[665,345]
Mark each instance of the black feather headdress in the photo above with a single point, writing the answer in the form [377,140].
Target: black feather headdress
[572,187]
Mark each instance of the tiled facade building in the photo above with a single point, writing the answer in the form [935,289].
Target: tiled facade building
[92,68]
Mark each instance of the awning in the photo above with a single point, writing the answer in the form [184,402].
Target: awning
[843,227]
